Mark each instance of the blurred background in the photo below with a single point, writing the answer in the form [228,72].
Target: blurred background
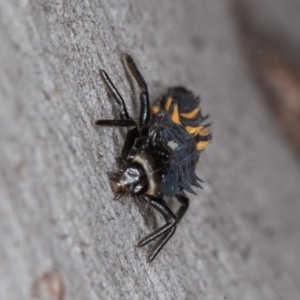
[269,35]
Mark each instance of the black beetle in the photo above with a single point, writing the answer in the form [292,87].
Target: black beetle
[160,152]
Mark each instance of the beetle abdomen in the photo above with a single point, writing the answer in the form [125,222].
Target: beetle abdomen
[180,155]
[184,110]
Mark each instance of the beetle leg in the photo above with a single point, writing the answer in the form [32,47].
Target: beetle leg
[161,206]
[125,119]
[115,123]
[167,230]
[144,96]
[160,244]
[115,94]
[131,135]
[157,233]
[184,201]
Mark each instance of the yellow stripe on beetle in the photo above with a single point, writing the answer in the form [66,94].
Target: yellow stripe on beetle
[175,115]
[198,130]
[168,104]
[192,114]
[203,131]
[202,144]
[193,130]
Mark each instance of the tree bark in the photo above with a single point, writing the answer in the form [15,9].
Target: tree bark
[61,235]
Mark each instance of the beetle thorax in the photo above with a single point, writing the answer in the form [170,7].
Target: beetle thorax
[145,160]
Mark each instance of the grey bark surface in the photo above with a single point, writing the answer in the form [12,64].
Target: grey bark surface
[61,235]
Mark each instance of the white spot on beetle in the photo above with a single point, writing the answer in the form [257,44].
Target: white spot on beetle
[173,145]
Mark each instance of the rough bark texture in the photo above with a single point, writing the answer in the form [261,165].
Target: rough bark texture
[61,235]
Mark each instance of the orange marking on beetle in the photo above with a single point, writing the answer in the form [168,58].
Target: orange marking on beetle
[169,102]
[193,130]
[203,131]
[192,114]
[155,109]
[175,115]
[201,145]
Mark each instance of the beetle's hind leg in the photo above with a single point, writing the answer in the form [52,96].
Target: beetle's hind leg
[144,95]
[160,244]
[165,232]
[184,201]
[164,239]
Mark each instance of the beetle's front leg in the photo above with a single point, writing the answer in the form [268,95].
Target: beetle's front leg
[113,91]
[125,120]
[144,95]
[131,136]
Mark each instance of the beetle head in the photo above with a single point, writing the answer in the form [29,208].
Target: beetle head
[132,180]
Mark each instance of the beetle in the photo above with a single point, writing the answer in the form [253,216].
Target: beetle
[160,151]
